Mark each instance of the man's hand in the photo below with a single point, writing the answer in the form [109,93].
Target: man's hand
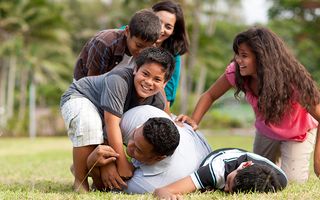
[101,156]
[186,119]
[162,193]
[111,178]
[126,170]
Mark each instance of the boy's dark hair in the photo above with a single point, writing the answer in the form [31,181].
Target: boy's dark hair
[256,178]
[177,43]
[157,55]
[146,25]
[162,134]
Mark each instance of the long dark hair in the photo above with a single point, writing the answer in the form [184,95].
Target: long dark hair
[281,76]
[177,43]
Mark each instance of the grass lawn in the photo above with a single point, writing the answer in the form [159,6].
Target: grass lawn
[39,169]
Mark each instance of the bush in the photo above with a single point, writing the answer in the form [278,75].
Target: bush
[215,119]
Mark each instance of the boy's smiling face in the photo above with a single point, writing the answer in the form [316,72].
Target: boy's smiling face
[149,79]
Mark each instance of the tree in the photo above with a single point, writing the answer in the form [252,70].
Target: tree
[203,17]
[298,23]
[45,48]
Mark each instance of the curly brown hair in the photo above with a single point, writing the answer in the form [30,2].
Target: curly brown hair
[281,76]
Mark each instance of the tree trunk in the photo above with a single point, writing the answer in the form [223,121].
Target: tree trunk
[193,45]
[201,82]
[32,109]
[11,85]
[23,93]
[3,92]
[183,87]
[193,53]
[212,20]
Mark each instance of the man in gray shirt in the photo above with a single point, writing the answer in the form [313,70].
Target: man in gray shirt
[192,149]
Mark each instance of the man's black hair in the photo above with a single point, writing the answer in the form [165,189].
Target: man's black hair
[162,134]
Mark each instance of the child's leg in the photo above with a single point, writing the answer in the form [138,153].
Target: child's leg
[80,155]
[295,157]
[85,131]
[267,148]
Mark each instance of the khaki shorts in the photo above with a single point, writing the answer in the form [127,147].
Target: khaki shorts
[83,122]
[293,157]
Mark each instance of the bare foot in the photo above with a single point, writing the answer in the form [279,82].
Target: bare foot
[81,187]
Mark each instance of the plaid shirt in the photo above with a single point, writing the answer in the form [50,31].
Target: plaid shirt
[101,53]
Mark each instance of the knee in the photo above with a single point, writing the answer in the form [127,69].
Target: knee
[295,174]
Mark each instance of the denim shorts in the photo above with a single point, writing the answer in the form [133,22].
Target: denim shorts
[83,122]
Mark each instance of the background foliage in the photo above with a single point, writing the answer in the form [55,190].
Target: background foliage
[40,40]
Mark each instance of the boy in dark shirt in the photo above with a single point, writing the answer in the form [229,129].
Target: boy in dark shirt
[99,101]
[111,47]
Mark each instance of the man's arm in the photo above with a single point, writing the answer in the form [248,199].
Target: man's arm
[210,175]
[182,186]
[112,122]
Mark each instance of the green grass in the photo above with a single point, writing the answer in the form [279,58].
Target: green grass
[39,169]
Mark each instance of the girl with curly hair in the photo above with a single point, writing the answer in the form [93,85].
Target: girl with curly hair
[284,97]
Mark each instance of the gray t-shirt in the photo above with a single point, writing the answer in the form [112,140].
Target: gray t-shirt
[113,92]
